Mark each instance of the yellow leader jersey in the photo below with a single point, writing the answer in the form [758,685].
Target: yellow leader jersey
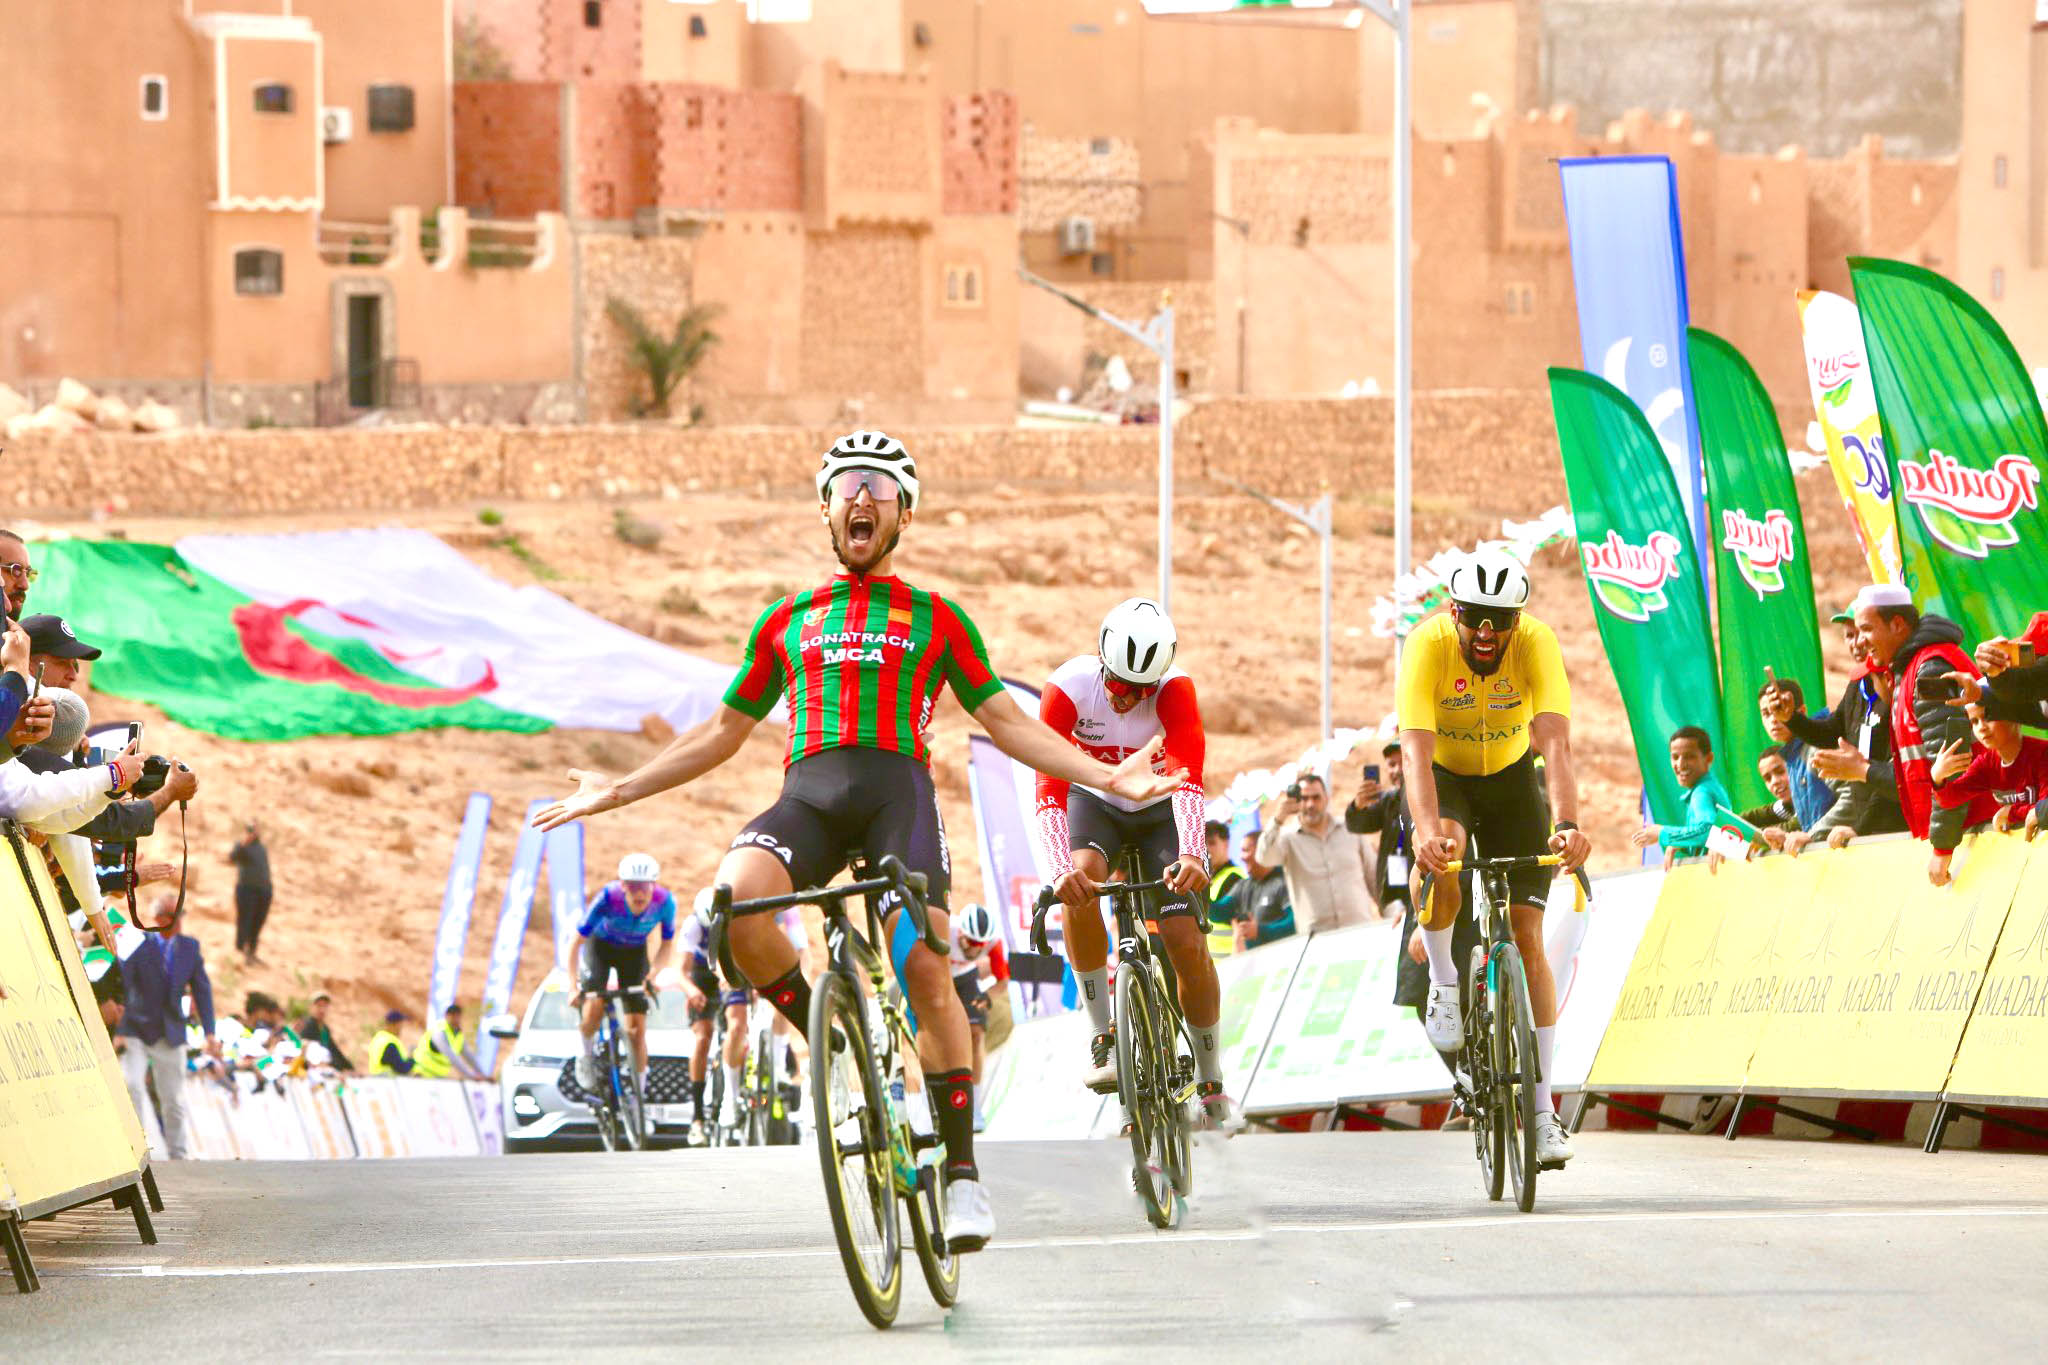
[1481,723]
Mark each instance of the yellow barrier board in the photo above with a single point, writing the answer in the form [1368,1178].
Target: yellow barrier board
[63,1125]
[1705,978]
[2004,1056]
[1882,977]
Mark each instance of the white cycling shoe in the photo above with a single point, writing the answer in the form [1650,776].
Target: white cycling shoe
[729,1111]
[586,1073]
[1219,1112]
[1101,1073]
[1553,1144]
[969,1222]
[1441,1020]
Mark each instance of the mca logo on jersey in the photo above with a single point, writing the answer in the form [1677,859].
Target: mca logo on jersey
[855,646]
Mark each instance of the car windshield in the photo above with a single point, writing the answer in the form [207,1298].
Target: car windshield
[553,1012]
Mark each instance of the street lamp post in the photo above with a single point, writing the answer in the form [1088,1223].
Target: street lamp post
[1155,336]
[1321,519]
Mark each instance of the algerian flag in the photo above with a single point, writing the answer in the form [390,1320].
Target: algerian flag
[1732,836]
[355,632]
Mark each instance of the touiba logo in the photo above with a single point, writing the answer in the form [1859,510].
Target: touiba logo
[1761,548]
[1970,510]
[274,651]
[1628,579]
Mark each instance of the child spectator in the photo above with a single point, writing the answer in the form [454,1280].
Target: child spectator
[2005,767]
[1692,762]
[1780,817]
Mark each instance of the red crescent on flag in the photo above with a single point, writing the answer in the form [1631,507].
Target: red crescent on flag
[275,652]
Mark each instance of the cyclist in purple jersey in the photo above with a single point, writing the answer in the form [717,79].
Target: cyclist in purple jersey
[861,660]
[612,939]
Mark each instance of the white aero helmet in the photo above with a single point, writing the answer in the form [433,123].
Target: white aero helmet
[869,450]
[1490,578]
[639,867]
[1137,641]
[976,925]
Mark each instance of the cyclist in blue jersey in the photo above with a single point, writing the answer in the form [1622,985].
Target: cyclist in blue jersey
[621,917]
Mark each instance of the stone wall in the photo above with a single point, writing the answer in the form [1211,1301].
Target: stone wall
[863,312]
[1078,177]
[1464,444]
[1194,327]
[653,276]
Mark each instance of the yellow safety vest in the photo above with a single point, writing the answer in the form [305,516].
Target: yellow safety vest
[1223,935]
[428,1060]
[379,1046]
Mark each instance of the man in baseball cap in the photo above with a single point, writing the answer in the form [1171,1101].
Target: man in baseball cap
[51,644]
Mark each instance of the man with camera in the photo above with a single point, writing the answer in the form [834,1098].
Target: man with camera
[1325,862]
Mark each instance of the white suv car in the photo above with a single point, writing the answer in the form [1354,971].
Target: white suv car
[543,1105]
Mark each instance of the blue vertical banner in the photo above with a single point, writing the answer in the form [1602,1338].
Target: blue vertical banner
[513,914]
[457,900]
[1628,271]
[565,885]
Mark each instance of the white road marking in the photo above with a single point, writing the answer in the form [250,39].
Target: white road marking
[1528,1221]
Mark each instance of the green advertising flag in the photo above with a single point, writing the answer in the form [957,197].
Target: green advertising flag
[1641,574]
[1763,574]
[1964,435]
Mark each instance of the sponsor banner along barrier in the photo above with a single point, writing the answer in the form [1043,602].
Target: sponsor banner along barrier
[371,1104]
[1032,1085]
[340,1118]
[2004,1055]
[1589,981]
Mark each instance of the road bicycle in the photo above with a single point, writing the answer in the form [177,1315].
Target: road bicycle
[861,1040]
[766,1120]
[1498,1067]
[1155,1057]
[711,1119]
[618,1106]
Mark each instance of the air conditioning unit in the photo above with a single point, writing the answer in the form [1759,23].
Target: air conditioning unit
[337,123]
[1077,236]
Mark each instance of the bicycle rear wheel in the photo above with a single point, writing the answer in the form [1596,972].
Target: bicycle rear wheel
[1489,1139]
[1144,1092]
[1178,1089]
[633,1111]
[1514,1067]
[604,1105]
[851,1121]
[714,1101]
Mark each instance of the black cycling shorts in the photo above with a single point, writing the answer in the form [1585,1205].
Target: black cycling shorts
[967,985]
[1507,815]
[1093,823]
[716,996]
[867,801]
[601,958]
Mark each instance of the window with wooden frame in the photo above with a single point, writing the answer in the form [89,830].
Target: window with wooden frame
[963,285]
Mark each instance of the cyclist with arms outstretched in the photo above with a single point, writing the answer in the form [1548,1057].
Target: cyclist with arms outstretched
[1482,692]
[1122,698]
[861,659]
[612,939]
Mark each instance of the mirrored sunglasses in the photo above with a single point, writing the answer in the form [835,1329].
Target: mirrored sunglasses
[1117,687]
[1502,619]
[847,483]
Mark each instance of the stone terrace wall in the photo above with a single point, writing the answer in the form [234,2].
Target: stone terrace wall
[1478,457]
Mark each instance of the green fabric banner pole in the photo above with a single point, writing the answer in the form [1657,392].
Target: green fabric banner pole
[1964,435]
[1763,572]
[1641,573]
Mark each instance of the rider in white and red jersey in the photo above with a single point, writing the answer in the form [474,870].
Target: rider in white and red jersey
[1116,701]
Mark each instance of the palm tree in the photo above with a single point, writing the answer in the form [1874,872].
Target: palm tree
[666,361]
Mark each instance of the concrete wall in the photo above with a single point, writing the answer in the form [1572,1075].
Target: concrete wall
[1765,73]
[2002,255]
[402,42]
[508,147]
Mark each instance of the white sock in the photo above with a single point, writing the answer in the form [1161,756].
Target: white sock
[1095,996]
[1545,1039]
[732,1084]
[778,1048]
[1561,945]
[1443,958]
[590,1045]
[1208,1061]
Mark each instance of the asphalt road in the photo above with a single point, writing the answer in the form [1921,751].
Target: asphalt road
[1378,1244]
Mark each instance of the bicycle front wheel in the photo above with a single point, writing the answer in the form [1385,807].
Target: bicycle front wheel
[852,1126]
[1488,1136]
[1177,1066]
[633,1112]
[1144,1090]
[1515,1066]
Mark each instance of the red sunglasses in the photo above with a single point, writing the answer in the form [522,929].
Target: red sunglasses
[1117,687]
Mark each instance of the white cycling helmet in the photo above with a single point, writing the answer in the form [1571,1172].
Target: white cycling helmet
[869,450]
[702,907]
[1490,578]
[976,925]
[1137,642]
[639,867]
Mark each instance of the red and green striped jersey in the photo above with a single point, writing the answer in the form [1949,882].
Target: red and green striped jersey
[861,660]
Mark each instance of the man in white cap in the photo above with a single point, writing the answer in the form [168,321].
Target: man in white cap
[1919,652]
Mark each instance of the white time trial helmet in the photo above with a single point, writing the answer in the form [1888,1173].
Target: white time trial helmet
[1137,643]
